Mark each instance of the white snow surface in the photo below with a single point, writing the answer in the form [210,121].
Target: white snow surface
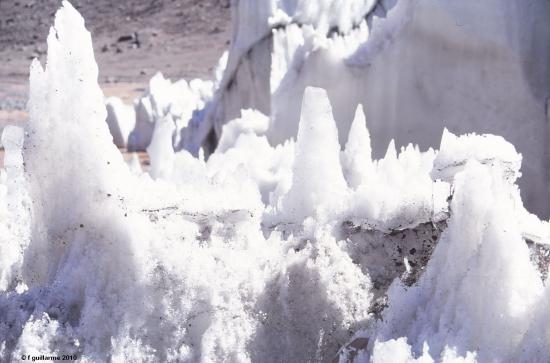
[417,67]
[261,253]
[121,119]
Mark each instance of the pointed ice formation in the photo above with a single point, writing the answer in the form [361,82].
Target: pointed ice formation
[121,119]
[391,152]
[480,287]
[113,266]
[357,158]
[160,150]
[68,150]
[180,100]
[102,276]
[397,58]
[317,180]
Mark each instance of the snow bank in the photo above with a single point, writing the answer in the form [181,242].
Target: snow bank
[293,252]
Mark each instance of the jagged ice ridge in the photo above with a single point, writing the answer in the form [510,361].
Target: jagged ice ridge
[291,252]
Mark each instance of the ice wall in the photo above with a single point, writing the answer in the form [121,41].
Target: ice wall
[246,80]
[416,66]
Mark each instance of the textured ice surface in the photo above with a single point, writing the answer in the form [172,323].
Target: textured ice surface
[301,251]
[416,66]
[121,267]
[480,289]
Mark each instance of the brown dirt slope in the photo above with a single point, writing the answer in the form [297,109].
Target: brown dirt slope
[181,38]
[132,40]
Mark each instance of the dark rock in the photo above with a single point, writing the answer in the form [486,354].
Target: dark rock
[125,38]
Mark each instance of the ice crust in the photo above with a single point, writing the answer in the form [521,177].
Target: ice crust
[295,252]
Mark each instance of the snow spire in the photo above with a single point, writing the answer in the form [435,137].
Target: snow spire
[391,152]
[69,152]
[317,174]
[357,157]
[480,257]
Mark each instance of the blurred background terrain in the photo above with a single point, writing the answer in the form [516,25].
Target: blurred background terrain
[133,39]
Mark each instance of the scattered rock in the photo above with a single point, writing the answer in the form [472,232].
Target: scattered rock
[133,40]
[125,38]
